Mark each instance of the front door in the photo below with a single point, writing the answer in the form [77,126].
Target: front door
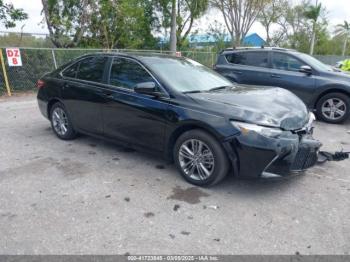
[285,73]
[135,118]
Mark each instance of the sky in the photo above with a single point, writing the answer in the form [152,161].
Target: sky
[338,11]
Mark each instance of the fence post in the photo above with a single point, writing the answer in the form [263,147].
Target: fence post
[5,73]
[54,58]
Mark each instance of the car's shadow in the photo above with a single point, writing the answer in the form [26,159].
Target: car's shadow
[230,185]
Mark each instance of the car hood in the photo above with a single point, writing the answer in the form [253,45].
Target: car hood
[340,76]
[268,106]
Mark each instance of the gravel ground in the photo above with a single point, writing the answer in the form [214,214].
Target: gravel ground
[88,196]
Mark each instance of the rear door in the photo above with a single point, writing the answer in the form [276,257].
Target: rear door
[285,73]
[248,67]
[132,117]
[81,93]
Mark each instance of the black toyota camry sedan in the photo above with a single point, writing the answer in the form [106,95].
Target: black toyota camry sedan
[182,110]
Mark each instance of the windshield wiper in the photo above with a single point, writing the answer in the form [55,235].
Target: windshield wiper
[218,88]
[201,91]
[192,92]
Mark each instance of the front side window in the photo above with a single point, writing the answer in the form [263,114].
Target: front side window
[259,59]
[285,62]
[127,73]
[92,68]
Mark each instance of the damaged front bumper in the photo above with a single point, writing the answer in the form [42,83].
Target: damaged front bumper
[256,155]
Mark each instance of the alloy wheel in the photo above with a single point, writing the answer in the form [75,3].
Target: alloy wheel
[196,159]
[60,121]
[333,108]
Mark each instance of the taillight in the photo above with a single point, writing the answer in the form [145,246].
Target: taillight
[40,84]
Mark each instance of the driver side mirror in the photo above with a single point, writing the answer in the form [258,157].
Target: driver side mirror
[147,88]
[306,69]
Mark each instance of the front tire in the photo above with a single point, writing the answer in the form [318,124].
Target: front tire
[333,108]
[200,158]
[60,122]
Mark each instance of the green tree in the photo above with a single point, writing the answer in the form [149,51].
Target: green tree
[294,30]
[101,23]
[187,12]
[218,33]
[313,13]
[239,16]
[66,20]
[343,30]
[269,15]
[9,14]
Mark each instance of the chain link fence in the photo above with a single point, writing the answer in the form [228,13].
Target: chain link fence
[330,59]
[38,61]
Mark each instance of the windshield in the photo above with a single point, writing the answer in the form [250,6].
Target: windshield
[186,75]
[314,63]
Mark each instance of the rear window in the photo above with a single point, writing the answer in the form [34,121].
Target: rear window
[259,59]
[71,71]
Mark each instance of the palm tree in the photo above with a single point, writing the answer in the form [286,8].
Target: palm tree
[343,30]
[312,13]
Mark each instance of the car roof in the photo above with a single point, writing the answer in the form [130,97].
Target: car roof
[143,57]
[136,55]
[263,48]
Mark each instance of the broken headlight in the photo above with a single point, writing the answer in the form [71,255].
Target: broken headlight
[247,128]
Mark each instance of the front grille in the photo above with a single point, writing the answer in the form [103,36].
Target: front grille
[305,158]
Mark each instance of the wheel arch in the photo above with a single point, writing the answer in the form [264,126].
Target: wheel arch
[328,91]
[51,102]
[184,127]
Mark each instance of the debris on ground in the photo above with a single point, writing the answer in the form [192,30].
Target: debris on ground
[149,214]
[324,156]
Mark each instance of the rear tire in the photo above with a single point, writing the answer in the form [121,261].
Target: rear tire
[61,123]
[333,108]
[200,158]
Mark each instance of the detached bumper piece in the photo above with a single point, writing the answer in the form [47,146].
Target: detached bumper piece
[324,156]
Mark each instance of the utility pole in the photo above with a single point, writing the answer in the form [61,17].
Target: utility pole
[173,28]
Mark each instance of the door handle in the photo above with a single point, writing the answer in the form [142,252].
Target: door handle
[275,76]
[65,85]
[238,72]
[108,95]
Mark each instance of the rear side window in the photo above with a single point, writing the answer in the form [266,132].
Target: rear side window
[71,71]
[92,69]
[127,73]
[285,62]
[259,59]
